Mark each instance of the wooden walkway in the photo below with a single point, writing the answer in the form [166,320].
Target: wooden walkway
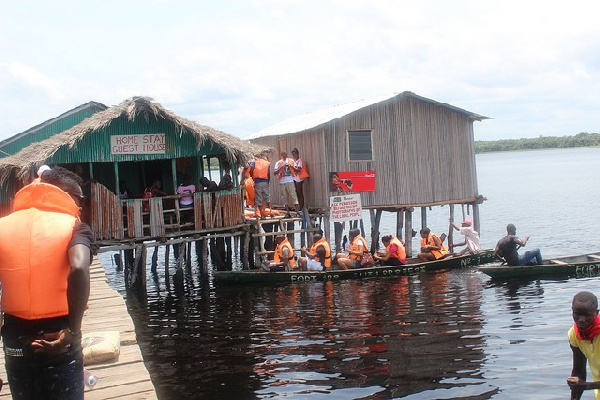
[125,378]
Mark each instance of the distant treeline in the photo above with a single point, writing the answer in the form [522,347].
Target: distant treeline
[582,139]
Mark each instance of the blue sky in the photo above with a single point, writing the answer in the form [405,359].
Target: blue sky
[240,66]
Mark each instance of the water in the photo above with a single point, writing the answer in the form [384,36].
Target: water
[449,335]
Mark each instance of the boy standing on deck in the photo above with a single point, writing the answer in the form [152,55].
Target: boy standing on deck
[584,338]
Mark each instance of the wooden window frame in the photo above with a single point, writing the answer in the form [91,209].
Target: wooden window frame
[349,135]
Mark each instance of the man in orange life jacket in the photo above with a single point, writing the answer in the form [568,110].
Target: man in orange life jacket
[319,256]
[45,255]
[283,259]
[431,247]
[260,172]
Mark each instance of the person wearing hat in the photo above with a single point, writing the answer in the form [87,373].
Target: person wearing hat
[471,239]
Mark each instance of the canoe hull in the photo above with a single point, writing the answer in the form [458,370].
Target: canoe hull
[584,265]
[239,277]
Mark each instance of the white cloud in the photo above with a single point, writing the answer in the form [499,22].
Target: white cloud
[241,66]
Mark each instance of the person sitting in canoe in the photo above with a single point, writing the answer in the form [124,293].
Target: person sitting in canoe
[431,247]
[318,257]
[394,253]
[283,259]
[358,246]
[583,338]
[506,249]
[471,239]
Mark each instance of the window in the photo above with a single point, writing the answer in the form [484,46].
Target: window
[360,145]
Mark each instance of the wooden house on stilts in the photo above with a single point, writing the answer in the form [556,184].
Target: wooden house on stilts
[403,151]
[126,148]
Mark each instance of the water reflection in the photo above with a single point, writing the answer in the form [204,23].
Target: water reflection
[366,339]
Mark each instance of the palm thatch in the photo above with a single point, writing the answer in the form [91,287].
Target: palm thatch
[21,164]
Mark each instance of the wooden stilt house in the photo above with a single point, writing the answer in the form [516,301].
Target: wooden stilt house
[399,151]
[129,146]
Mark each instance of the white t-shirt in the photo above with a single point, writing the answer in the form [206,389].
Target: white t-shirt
[298,164]
[286,176]
[472,238]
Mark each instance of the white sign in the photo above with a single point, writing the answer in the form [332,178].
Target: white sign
[345,208]
[144,143]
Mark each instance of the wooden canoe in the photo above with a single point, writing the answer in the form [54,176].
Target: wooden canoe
[412,267]
[560,267]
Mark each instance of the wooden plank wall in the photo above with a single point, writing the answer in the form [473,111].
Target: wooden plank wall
[422,154]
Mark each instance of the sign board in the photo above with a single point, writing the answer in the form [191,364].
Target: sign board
[143,143]
[345,207]
[352,181]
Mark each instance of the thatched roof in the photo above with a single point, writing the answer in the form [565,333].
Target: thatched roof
[314,119]
[25,161]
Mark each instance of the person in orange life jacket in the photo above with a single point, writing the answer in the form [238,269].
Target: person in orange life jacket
[46,285]
[394,253]
[583,339]
[285,170]
[358,246]
[260,172]
[431,247]
[283,259]
[319,256]
[300,176]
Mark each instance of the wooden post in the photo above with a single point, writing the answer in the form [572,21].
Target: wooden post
[205,256]
[476,218]
[399,223]
[408,231]
[154,262]
[451,229]
[338,231]
[375,230]
[423,217]
[326,227]
[167,273]
[246,251]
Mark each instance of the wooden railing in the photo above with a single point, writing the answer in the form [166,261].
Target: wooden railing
[112,218]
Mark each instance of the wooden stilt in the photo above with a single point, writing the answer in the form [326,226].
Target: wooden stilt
[451,228]
[154,263]
[167,273]
[408,231]
[399,223]
[338,231]
[423,217]
[205,256]
[375,229]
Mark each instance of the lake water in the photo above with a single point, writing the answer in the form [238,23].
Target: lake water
[448,335]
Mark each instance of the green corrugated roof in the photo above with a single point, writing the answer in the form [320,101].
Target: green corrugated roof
[49,128]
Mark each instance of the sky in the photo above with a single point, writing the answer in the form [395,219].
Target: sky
[241,66]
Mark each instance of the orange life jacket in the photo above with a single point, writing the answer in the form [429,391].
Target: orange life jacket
[325,244]
[303,173]
[400,252]
[249,187]
[429,241]
[34,264]
[358,240]
[261,169]
[279,253]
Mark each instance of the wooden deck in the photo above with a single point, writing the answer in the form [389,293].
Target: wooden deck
[125,378]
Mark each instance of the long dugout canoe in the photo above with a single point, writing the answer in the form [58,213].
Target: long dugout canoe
[583,265]
[252,276]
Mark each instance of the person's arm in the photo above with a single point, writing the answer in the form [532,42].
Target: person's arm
[78,286]
[361,250]
[278,166]
[386,256]
[522,242]
[577,381]
[455,226]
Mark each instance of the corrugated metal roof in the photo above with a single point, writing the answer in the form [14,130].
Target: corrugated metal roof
[320,117]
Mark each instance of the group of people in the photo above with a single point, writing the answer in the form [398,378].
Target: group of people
[291,174]
[186,188]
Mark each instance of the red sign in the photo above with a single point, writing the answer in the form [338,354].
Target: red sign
[352,181]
